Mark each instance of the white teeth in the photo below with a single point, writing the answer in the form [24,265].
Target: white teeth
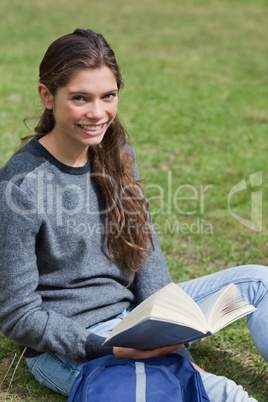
[91,128]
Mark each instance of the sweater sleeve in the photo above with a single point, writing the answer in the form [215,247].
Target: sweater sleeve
[22,317]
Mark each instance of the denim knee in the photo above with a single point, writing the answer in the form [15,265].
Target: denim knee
[54,371]
[221,389]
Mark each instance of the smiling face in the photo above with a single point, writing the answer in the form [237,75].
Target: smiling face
[84,108]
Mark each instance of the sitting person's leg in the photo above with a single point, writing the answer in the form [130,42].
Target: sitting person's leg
[252,280]
[221,389]
[54,371]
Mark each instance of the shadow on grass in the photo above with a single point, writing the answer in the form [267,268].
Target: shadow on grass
[234,365]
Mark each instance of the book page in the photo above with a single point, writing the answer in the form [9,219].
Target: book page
[230,316]
[225,307]
[208,306]
[168,304]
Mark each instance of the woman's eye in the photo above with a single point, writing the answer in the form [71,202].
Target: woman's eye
[78,98]
[110,96]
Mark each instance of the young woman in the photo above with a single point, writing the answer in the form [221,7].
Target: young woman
[78,249]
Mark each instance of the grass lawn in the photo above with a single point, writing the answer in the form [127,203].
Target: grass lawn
[195,105]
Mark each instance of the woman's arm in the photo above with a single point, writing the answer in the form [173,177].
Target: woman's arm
[22,317]
[127,353]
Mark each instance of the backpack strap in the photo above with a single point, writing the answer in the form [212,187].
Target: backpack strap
[140,382]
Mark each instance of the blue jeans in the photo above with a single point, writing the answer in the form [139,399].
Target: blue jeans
[58,373]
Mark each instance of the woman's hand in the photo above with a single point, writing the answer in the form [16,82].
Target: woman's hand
[127,353]
[198,368]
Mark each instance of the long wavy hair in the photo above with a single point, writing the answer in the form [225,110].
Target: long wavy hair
[128,232]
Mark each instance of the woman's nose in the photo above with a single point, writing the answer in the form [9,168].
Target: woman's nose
[95,111]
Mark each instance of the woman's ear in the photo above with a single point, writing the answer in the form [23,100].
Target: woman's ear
[45,96]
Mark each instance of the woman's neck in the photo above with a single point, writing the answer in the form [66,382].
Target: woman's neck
[66,154]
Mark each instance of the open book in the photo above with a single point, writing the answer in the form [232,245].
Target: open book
[170,316]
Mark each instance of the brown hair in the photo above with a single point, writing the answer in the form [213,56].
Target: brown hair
[129,237]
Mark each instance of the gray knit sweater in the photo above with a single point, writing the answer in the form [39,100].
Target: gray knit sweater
[57,277]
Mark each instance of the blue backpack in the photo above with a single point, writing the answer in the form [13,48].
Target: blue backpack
[157,379]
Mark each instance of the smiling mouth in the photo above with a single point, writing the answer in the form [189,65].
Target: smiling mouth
[91,128]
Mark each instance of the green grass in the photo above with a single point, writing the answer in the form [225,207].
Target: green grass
[195,105]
